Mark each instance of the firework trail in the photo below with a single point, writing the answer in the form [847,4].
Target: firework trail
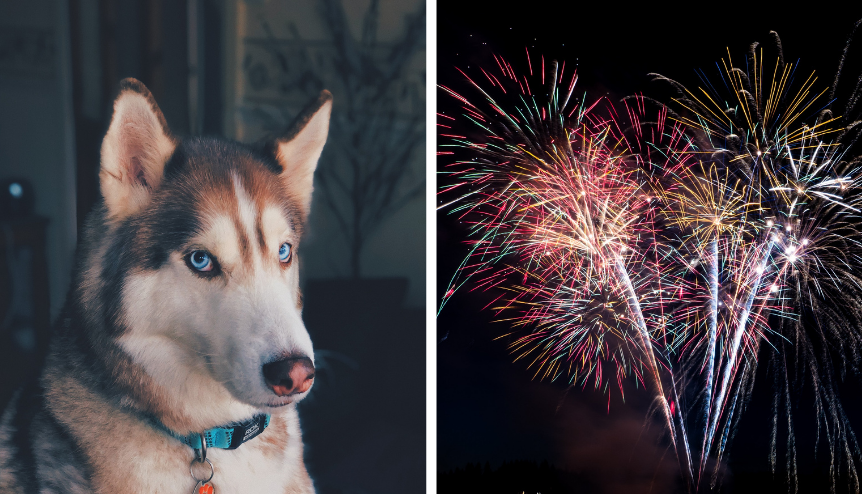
[770,223]
[562,223]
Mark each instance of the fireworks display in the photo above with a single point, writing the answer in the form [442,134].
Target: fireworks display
[678,246]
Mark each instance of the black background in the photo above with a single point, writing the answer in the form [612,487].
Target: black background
[489,409]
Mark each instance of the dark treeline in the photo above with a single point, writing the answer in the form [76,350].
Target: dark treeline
[530,477]
[514,477]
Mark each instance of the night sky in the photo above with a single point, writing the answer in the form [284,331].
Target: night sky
[489,408]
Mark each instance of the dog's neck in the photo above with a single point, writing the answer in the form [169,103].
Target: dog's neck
[113,437]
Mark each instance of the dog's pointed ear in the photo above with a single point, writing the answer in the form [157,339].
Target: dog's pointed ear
[299,149]
[134,151]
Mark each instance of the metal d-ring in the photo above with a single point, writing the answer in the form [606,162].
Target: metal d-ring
[201,457]
[202,452]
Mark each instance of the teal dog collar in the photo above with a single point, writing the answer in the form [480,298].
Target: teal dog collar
[227,437]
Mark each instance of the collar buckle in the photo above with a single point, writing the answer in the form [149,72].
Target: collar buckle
[249,430]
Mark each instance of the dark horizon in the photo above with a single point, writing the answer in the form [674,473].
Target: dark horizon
[489,408]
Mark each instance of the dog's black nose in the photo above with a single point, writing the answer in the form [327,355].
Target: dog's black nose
[289,376]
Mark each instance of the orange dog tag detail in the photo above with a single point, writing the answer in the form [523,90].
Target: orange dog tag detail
[203,488]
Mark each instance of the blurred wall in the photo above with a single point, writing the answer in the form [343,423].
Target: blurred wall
[36,123]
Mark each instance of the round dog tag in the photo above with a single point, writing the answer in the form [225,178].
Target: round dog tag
[203,488]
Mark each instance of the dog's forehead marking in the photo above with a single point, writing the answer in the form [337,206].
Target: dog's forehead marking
[245,230]
[247,215]
[258,217]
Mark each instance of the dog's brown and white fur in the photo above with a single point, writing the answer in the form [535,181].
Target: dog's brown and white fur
[145,336]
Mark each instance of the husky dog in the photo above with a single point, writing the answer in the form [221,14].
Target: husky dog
[183,324]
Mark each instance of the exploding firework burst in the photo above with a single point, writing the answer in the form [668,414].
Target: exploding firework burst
[562,220]
[553,211]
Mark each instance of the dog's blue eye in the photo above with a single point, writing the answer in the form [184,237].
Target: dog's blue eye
[284,252]
[201,260]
